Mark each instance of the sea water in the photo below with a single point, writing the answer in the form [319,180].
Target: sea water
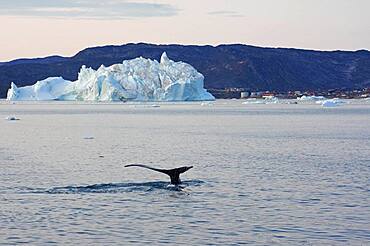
[289,174]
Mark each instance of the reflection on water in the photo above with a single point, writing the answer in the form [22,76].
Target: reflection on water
[285,174]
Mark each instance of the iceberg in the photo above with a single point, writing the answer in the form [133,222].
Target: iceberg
[139,79]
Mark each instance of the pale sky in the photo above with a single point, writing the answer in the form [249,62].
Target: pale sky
[37,28]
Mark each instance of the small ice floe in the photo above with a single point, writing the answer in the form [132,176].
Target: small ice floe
[254,101]
[265,100]
[89,137]
[11,118]
[332,103]
[311,98]
[146,105]
[271,100]
[206,104]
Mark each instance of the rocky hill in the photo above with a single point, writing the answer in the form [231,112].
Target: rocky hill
[223,66]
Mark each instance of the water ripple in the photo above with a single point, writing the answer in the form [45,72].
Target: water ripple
[116,188]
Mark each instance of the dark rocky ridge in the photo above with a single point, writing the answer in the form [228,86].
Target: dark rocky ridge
[223,66]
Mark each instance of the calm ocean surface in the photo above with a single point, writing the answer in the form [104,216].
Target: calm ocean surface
[278,174]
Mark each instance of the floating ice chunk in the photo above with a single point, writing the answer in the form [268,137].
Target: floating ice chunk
[332,103]
[311,98]
[209,104]
[266,100]
[254,101]
[146,106]
[328,104]
[138,79]
[48,89]
[271,100]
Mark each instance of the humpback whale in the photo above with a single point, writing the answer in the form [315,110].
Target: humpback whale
[173,173]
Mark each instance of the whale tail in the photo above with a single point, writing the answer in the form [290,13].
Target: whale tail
[173,173]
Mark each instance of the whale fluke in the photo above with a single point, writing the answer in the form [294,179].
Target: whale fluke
[173,173]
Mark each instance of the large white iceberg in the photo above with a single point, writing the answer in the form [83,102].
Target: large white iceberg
[138,79]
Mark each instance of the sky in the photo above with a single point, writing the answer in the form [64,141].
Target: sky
[38,28]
